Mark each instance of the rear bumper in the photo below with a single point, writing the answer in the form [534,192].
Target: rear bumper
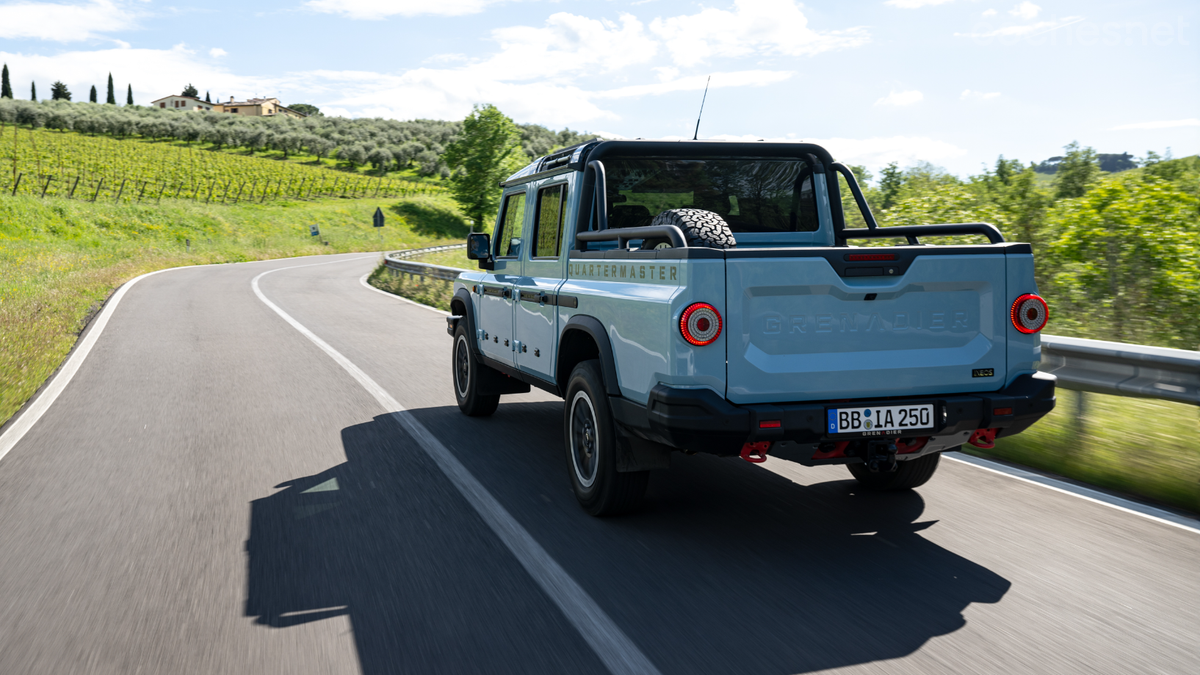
[700,420]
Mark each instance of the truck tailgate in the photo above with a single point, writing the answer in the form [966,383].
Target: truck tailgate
[798,331]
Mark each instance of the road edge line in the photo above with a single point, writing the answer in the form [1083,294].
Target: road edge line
[1093,495]
[618,653]
[25,418]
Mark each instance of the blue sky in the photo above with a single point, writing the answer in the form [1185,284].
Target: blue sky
[954,82]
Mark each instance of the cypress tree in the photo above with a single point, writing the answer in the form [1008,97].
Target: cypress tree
[5,86]
[129,95]
[92,96]
[206,98]
[111,97]
[33,91]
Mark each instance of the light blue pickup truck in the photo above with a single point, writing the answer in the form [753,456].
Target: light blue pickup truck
[705,296]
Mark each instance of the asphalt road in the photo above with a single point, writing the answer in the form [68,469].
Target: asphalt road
[214,493]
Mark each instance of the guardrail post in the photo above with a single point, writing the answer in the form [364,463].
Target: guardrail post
[1081,409]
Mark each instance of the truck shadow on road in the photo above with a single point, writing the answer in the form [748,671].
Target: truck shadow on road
[729,569]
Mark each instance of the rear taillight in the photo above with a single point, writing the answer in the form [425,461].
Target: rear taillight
[700,324]
[1029,313]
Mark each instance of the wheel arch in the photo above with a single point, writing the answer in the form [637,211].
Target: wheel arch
[462,305]
[584,338]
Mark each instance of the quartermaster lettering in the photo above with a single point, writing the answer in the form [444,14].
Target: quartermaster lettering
[624,271]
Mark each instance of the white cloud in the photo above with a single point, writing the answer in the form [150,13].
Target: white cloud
[449,94]
[873,153]
[969,95]
[217,52]
[1028,29]
[62,23]
[1026,10]
[569,43]
[381,9]
[744,78]
[989,12]
[900,98]
[1164,124]
[754,27]
[915,4]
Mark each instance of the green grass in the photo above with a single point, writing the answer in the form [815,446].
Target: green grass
[432,292]
[1137,446]
[454,258]
[61,258]
[101,168]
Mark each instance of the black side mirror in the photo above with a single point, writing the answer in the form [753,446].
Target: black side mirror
[479,246]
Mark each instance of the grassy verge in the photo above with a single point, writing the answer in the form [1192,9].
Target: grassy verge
[453,258]
[1140,447]
[430,292]
[61,258]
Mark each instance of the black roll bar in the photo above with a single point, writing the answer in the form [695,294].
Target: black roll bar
[857,192]
[623,235]
[911,232]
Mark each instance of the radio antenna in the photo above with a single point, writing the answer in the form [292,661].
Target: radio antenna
[702,99]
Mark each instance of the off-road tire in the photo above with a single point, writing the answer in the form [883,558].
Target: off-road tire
[700,229]
[465,369]
[908,475]
[589,438]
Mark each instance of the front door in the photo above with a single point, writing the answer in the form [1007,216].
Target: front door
[496,292]
[535,312]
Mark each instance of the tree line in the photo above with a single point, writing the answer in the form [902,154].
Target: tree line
[60,92]
[1117,255]
[381,144]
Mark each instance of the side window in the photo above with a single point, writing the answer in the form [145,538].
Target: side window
[549,221]
[508,242]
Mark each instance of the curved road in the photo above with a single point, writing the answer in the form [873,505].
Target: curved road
[215,492]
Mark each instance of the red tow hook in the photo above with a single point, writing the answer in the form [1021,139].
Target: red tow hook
[756,453]
[983,438]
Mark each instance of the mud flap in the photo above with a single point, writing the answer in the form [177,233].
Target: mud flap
[637,454]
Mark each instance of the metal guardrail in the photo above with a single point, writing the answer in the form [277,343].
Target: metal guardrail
[398,263]
[1084,365]
[1123,369]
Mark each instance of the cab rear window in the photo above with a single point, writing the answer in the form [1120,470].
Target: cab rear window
[752,195]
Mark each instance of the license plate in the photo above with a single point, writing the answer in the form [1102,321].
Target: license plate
[880,419]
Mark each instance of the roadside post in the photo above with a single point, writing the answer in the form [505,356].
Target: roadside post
[315,231]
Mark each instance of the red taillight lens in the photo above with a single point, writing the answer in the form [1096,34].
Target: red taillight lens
[1030,313]
[700,324]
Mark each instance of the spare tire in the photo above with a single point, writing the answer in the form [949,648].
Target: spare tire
[700,228]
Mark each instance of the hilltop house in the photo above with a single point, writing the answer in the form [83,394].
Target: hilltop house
[255,107]
[260,107]
[185,103]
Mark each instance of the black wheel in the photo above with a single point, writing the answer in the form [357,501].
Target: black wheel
[591,448]
[908,475]
[700,228]
[466,378]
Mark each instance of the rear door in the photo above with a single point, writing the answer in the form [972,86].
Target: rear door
[802,330]
[534,312]
[496,292]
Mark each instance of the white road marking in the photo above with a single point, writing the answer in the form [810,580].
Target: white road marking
[24,421]
[1095,496]
[614,648]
